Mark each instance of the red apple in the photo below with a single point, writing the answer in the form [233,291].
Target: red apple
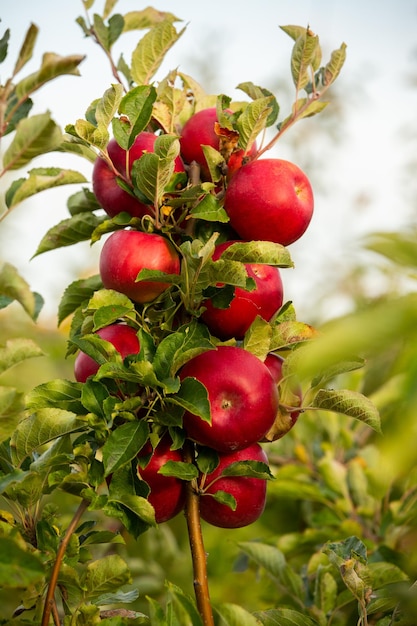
[126,252]
[270,200]
[249,493]
[198,131]
[264,301]
[123,338]
[167,493]
[242,394]
[290,397]
[108,192]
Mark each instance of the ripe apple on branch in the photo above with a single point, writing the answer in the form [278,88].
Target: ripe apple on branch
[182,334]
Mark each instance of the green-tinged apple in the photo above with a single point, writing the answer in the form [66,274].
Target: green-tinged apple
[201,130]
[271,200]
[290,397]
[167,493]
[249,492]
[123,338]
[110,195]
[263,301]
[242,394]
[126,252]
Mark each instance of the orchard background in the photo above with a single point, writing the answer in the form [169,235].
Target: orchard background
[336,480]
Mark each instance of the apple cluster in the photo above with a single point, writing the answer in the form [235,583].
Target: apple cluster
[265,199]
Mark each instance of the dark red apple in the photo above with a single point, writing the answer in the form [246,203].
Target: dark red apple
[290,397]
[249,493]
[199,130]
[167,493]
[123,338]
[108,192]
[242,394]
[126,252]
[264,301]
[270,200]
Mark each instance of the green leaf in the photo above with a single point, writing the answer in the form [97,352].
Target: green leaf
[398,247]
[325,593]
[52,66]
[253,469]
[11,409]
[106,315]
[97,136]
[93,397]
[257,339]
[83,201]
[26,50]
[253,121]
[339,368]
[274,562]
[19,568]
[207,460]
[69,231]
[17,350]
[40,179]
[151,175]
[289,334]
[123,445]
[210,209]
[179,347]
[255,92]
[350,403]
[59,393]
[151,50]
[108,105]
[15,112]
[235,615]
[136,511]
[179,469]
[77,293]
[304,56]
[193,397]
[307,107]
[147,18]
[334,66]
[185,608]
[137,105]
[4,45]
[284,617]
[40,428]
[349,548]
[223,497]
[34,136]
[105,575]
[265,252]
[14,287]
[107,35]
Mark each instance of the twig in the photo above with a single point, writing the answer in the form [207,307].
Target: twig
[198,553]
[49,600]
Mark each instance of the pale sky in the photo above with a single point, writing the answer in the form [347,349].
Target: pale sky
[378,136]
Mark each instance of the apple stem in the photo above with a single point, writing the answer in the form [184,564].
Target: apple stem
[198,553]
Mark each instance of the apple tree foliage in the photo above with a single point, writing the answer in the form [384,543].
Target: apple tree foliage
[340,563]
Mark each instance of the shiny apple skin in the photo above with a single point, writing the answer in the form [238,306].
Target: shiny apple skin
[270,200]
[249,493]
[126,252]
[263,301]
[242,394]
[167,494]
